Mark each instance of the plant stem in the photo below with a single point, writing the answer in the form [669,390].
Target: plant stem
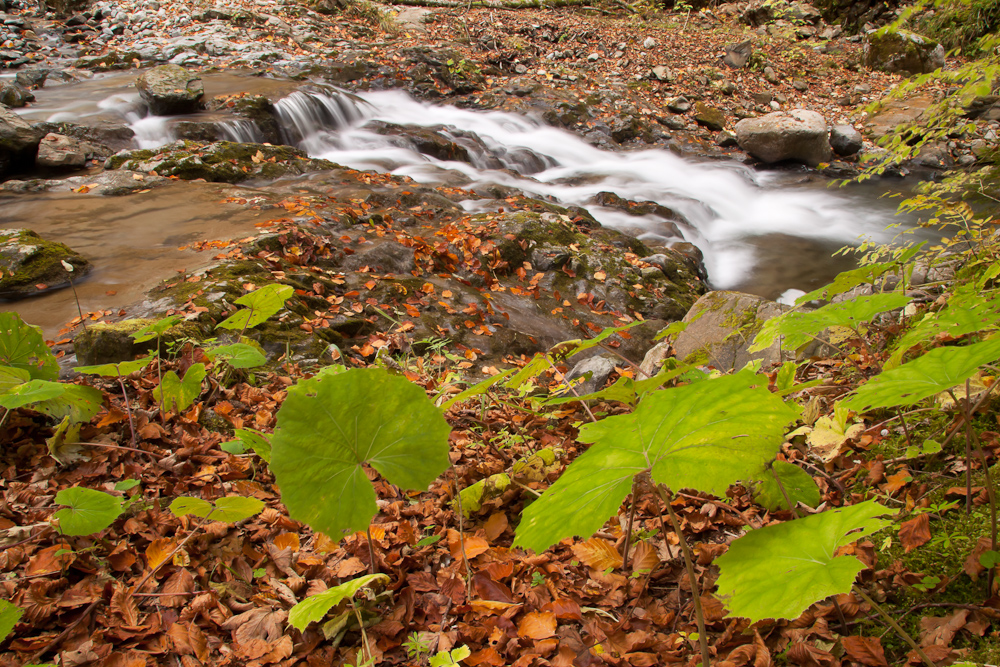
[689,564]
[371,550]
[361,626]
[628,531]
[895,626]
[906,430]
[194,531]
[461,537]
[993,517]
[6,416]
[571,388]
[76,297]
[128,408]
[781,487]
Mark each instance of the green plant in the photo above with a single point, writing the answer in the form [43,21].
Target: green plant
[22,346]
[260,304]
[416,646]
[89,511]
[119,370]
[176,395]
[450,658]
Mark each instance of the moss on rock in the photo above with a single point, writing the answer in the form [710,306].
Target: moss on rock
[31,264]
[111,343]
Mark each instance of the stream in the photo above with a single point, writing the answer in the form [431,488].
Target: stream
[760,232]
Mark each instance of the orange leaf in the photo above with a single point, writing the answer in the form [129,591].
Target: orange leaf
[598,554]
[915,532]
[537,625]
[495,525]
[287,541]
[491,606]
[564,609]
[473,545]
[644,558]
[159,551]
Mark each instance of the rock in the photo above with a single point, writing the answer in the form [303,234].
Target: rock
[770,75]
[387,257]
[648,43]
[901,52]
[726,87]
[763,98]
[57,151]
[845,140]
[32,78]
[721,326]
[661,73]
[737,55]
[15,96]
[219,162]
[30,264]
[170,89]
[18,142]
[712,118]
[727,139]
[798,135]
[103,343]
[679,105]
[101,140]
[800,85]
[599,370]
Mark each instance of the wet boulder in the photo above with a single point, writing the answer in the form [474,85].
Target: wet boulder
[57,151]
[901,52]
[15,95]
[218,162]
[18,142]
[799,135]
[710,117]
[845,140]
[721,328]
[170,89]
[31,264]
[102,139]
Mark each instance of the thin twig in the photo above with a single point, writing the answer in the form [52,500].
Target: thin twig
[461,537]
[65,633]
[895,626]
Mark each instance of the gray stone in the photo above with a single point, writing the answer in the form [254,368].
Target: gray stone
[712,118]
[727,139]
[800,85]
[845,140]
[770,75]
[14,95]
[737,55]
[599,368]
[661,73]
[679,105]
[57,151]
[901,52]
[387,257]
[721,326]
[799,135]
[18,142]
[170,89]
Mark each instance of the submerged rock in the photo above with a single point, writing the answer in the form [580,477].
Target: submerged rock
[219,162]
[902,52]
[798,135]
[170,89]
[13,95]
[30,264]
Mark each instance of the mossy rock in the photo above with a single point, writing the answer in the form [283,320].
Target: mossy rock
[902,52]
[31,264]
[219,162]
[109,61]
[111,343]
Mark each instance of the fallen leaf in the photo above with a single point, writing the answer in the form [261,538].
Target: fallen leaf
[940,630]
[598,554]
[866,650]
[915,532]
[537,625]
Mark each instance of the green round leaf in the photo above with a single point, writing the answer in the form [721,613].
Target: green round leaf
[780,570]
[90,511]
[22,346]
[31,392]
[11,377]
[239,355]
[156,329]
[798,484]
[315,607]
[121,368]
[260,305]
[77,402]
[186,505]
[233,509]
[330,428]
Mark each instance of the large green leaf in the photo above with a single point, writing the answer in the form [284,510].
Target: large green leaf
[330,428]
[937,371]
[798,484]
[10,614]
[704,436]
[31,392]
[863,275]
[260,305]
[77,402]
[315,607]
[11,377]
[230,509]
[239,355]
[120,369]
[22,346]
[797,328]
[176,395]
[778,571]
[248,438]
[90,511]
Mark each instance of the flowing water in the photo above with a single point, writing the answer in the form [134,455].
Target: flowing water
[762,232]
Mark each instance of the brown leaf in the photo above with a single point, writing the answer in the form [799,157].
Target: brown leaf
[158,551]
[644,557]
[806,655]
[287,541]
[259,623]
[866,650]
[972,566]
[179,583]
[915,532]
[474,545]
[188,639]
[495,525]
[350,567]
[537,625]
[763,657]
[123,604]
[940,630]
[598,554]
[487,589]
[565,610]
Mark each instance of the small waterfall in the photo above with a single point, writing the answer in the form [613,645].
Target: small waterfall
[306,116]
[241,131]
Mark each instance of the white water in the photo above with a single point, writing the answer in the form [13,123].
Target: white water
[726,204]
